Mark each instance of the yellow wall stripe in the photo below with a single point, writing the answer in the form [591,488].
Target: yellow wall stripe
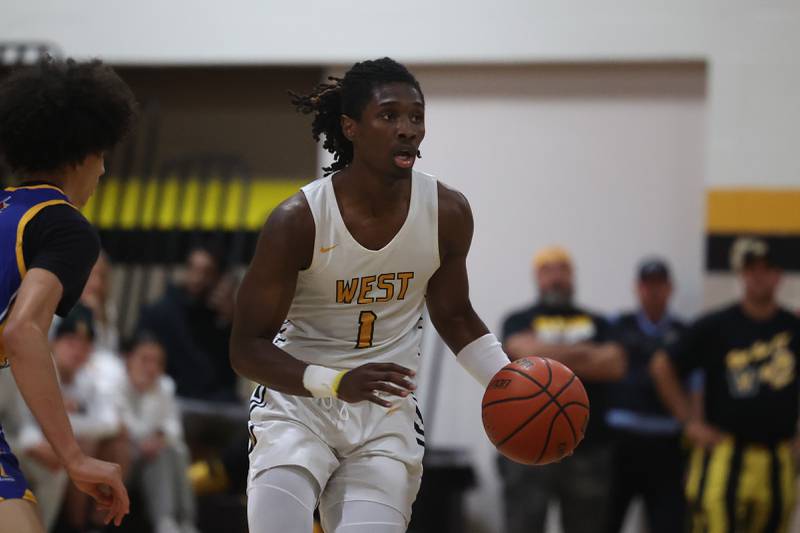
[229,205]
[767,211]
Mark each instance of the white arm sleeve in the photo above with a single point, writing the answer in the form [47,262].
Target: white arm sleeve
[483,358]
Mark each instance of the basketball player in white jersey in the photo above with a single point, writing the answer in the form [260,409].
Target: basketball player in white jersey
[329,315]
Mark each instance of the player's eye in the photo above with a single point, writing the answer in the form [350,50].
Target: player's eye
[387,115]
[417,118]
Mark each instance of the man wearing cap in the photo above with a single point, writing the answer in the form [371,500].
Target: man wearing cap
[648,460]
[741,470]
[555,327]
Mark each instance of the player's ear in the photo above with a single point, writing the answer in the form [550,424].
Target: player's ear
[349,127]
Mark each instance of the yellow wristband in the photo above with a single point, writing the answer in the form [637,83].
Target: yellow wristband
[336,381]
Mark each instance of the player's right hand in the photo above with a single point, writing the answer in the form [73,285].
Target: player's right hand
[103,482]
[366,381]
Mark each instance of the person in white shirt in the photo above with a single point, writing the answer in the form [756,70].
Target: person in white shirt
[150,413]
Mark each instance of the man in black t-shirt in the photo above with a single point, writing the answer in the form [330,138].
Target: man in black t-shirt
[741,472]
[554,327]
[56,121]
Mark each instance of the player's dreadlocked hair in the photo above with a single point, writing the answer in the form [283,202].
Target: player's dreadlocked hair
[347,96]
[58,112]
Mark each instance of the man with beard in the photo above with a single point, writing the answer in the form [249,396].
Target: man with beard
[193,323]
[555,327]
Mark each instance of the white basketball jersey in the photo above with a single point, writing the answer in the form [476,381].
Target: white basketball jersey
[354,305]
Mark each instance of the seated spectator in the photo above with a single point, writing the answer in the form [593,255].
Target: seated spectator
[105,366]
[555,327]
[192,320]
[93,416]
[159,455]
[97,297]
[648,459]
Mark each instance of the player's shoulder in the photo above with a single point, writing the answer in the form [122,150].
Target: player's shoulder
[455,213]
[292,215]
[451,199]
[63,221]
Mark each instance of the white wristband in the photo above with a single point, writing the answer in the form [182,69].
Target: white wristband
[322,382]
[483,358]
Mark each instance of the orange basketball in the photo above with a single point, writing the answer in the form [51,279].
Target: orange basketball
[535,411]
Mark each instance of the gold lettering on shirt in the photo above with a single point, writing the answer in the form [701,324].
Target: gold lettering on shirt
[376,288]
[346,290]
[768,362]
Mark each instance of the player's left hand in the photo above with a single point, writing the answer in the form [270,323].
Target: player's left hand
[366,381]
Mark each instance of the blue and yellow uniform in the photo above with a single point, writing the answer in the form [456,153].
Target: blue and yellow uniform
[18,206]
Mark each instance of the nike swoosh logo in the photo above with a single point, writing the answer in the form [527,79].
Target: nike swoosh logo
[324,250]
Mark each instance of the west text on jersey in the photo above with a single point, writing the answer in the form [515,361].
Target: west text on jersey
[378,288]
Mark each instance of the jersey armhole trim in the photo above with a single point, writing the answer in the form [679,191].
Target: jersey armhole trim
[314,254]
[435,221]
[29,214]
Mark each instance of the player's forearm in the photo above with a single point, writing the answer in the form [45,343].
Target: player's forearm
[458,328]
[669,387]
[29,353]
[259,360]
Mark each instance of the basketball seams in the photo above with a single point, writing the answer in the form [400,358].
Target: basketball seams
[531,378]
[514,399]
[553,397]
[549,433]
[553,400]
[543,388]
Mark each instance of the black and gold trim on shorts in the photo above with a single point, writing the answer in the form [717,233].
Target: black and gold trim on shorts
[739,487]
[771,214]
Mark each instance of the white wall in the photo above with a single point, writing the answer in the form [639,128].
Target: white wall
[754,104]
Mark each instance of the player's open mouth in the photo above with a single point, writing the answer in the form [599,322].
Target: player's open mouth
[404,158]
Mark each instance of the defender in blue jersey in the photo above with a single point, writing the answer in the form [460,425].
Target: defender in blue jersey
[56,120]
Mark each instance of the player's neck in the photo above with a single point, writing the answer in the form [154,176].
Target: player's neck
[60,179]
[758,310]
[363,184]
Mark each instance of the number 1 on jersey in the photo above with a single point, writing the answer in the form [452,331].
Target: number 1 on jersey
[366,329]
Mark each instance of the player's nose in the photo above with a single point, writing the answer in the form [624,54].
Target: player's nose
[406,129]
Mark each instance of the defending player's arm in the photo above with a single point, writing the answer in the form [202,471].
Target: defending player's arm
[286,246]
[604,361]
[448,301]
[28,350]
